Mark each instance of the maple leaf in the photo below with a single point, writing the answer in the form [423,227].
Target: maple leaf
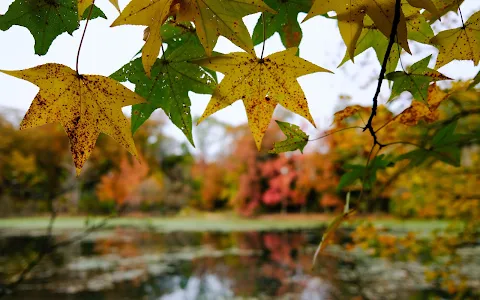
[296,138]
[350,15]
[261,84]
[151,13]
[213,18]
[415,81]
[443,7]
[419,111]
[284,22]
[84,4]
[418,29]
[461,43]
[85,105]
[348,111]
[45,19]
[371,37]
[173,77]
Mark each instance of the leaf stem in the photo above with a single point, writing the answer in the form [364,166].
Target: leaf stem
[461,15]
[83,36]
[264,35]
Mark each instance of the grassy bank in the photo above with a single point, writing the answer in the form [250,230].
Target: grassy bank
[215,222]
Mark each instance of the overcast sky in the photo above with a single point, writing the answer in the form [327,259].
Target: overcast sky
[107,49]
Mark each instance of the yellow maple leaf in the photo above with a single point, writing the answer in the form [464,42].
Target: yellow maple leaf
[461,43]
[151,13]
[261,84]
[419,111]
[85,105]
[350,15]
[213,18]
[345,113]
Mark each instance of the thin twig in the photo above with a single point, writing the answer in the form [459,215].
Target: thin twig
[83,36]
[330,133]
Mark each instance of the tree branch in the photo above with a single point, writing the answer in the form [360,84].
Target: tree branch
[391,41]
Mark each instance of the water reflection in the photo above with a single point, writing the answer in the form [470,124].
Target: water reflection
[133,264]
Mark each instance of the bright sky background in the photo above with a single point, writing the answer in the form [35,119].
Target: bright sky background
[107,49]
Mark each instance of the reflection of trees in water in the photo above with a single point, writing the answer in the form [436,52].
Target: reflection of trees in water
[209,265]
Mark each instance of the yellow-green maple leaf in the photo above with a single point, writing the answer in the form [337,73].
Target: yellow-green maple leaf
[151,13]
[85,105]
[84,4]
[261,84]
[350,15]
[213,18]
[461,43]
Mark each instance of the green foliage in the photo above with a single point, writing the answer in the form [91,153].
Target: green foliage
[284,21]
[45,19]
[96,13]
[416,80]
[443,147]
[172,77]
[367,174]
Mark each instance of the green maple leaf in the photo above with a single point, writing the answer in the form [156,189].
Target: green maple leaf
[296,138]
[45,19]
[284,22]
[172,78]
[443,146]
[416,80]
[96,13]
[366,174]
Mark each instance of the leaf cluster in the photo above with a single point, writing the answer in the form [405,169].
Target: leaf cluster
[189,30]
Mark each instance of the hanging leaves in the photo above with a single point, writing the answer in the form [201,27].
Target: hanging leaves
[350,15]
[296,138]
[461,43]
[213,18]
[172,78]
[371,37]
[85,105]
[152,14]
[261,83]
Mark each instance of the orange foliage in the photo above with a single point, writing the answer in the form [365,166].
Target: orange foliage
[118,185]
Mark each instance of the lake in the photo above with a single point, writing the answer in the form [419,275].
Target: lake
[138,263]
